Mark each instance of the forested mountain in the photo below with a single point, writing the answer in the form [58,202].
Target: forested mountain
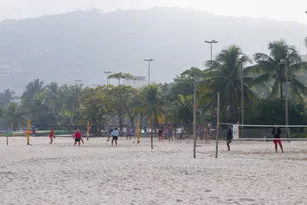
[82,45]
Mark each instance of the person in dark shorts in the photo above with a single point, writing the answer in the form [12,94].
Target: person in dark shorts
[129,133]
[77,137]
[114,136]
[276,132]
[229,137]
[160,134]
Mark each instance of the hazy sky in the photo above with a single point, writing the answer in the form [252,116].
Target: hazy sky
[274,9]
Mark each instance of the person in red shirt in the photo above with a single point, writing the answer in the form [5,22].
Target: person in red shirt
[51,136]
[77,137]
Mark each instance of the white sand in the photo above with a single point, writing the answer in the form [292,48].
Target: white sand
[133,174]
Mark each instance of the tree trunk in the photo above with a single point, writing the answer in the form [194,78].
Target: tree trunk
[281,90]
[132,121]
[232,112]
[235,105]
[157,121]
[131,117]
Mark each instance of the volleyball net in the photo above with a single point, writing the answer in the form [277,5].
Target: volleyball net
[263,132]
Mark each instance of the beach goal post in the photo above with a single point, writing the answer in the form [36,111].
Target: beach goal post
[28,132]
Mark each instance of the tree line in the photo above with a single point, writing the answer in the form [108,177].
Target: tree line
[262,76]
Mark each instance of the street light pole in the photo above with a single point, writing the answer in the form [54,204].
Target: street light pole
[107,72]
[149,61]
[211,42]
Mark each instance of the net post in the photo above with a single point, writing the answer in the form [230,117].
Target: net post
[138,131]
[88,130]
[194,122]
[151,134]
[217,125]
[7,136]
[28,132]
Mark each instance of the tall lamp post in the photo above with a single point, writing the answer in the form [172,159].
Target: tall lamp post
[149,61]
[107,73]
[211,42]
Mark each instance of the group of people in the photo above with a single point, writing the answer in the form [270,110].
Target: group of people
[276,134]
[76,136]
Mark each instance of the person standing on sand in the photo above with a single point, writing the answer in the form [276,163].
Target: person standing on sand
[77,137]
[51,136]
[207,134]
[170,133]
[229,137]
[129,133]
[276,132]
[160,134]
[114,136]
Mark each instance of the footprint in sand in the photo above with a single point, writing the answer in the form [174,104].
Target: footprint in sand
[246,199]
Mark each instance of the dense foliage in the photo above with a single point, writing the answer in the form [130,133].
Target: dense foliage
[264,81]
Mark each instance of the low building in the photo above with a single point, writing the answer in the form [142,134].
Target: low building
[136,82]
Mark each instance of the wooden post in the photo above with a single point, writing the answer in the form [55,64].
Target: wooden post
[194,122]
[28,132]
[88,130]
[7,137]
[217,125]
[151,134]
[138,131]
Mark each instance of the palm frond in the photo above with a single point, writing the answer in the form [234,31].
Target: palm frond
[275,89]
[260,79]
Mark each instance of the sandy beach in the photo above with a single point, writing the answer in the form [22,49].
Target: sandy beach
[131,174]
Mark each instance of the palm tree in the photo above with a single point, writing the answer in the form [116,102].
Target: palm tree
[6,97]
[36,86]
[74,96]
[132,101]
[15,115]
[1,112]
[120,76]
[65,118]
[271,69]
[152,102]
[182,109]
[33,88]
[52,93]
[41,113]
[224,77]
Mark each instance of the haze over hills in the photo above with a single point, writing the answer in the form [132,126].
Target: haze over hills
[82,45]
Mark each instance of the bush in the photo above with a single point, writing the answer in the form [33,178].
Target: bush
[299,135]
